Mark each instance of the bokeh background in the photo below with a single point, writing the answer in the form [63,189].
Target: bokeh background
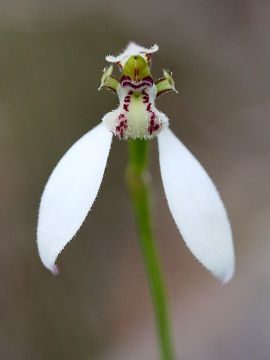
[51,57]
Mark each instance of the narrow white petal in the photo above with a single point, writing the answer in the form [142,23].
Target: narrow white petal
[70,193]
[196,207]
[132,49]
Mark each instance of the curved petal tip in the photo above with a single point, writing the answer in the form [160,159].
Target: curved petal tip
[227,277]
[55,269]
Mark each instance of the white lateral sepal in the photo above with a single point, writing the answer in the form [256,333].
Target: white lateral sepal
[70,193]
[196,207]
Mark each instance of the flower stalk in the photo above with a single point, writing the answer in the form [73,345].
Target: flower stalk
[140,196]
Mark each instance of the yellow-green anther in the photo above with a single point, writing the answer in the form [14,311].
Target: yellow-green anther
[108,81]
[136,68]
[166,83]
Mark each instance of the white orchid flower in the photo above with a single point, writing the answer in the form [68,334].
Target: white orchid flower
[192,197]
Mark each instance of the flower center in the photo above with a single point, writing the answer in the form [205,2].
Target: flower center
[136,116]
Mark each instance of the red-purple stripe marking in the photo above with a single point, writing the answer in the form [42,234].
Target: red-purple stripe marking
[127,82]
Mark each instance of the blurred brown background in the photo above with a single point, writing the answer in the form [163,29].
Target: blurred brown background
[51,58]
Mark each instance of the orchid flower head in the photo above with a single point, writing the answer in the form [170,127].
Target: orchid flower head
[193,200]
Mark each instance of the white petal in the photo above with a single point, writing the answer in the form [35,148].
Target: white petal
[196,207]
[132,49]
[70,193]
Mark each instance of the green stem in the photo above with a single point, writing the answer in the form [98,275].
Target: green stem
[139,191]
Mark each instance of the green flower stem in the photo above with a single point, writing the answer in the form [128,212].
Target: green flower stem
[139,191]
